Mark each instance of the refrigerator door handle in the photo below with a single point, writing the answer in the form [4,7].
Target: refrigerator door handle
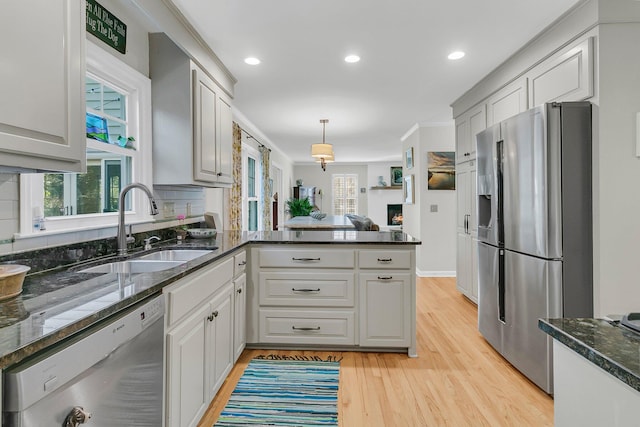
[501,286]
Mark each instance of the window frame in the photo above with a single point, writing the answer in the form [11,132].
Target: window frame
[248,151]
[137,87]
[333,195]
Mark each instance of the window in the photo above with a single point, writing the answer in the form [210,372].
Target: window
[118,117]
[251,185]
[345,194]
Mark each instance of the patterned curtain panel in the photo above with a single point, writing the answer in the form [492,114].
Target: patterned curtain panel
[235,194]
[266,188]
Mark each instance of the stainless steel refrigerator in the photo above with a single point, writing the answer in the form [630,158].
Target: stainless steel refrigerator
[534,230]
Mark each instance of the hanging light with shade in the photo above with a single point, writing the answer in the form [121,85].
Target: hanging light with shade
[323,153]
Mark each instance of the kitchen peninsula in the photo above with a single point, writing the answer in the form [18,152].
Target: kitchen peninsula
[339,289]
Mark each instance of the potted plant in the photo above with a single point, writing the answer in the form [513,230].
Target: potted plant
[299,207]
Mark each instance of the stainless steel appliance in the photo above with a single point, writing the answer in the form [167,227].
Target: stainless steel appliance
[114,372]
[534,230]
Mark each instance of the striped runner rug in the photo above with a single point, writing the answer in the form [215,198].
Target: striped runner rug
[284,393]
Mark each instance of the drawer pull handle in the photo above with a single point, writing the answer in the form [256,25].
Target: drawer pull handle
[317,328]
[385,259]
[305,290]
[385,277]
[305,259]
[242,263]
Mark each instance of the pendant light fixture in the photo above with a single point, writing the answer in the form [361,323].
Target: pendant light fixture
[323,152]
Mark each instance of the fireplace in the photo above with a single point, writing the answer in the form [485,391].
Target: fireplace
[394,214]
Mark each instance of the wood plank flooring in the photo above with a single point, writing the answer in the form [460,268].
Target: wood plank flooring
[456,380]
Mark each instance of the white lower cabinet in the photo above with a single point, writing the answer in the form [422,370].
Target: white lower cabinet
[240,314]
[385,309]
[220,338]
[240,303]
[187,394]
[199,341]
[291,326]
[355,297]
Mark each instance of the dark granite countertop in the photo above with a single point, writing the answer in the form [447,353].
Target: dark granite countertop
[59,302]
[606,344]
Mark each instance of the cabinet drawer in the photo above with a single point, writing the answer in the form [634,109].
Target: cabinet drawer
[188,293]
[239,263]
[306,289]
[307,327]
[307,258]
[385,259]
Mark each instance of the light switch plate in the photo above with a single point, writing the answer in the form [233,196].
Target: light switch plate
[434,208]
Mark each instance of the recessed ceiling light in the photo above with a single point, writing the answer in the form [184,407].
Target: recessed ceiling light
[456,55]
[352,58]
[252,61]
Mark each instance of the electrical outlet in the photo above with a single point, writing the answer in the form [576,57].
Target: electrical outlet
[434,208]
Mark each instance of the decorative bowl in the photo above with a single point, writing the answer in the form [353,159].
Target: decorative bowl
[317,215]
[11,278]
[202,233]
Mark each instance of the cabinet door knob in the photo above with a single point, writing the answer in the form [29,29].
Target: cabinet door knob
[239,291]
[385,277]
[242,263]
[210,318]
[215,313]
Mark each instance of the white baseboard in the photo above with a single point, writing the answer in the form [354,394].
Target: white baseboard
[421,273]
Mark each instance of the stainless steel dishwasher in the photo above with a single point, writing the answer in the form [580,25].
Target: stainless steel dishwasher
[113,373]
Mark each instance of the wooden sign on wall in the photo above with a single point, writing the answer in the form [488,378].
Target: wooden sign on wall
[106,26]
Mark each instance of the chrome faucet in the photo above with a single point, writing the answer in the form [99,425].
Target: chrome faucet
[123,239]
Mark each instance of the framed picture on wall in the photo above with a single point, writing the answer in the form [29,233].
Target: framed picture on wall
[396,176]
[408,190]
[408,158]
[441,170]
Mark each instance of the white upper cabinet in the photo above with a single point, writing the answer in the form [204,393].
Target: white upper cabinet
[565,76]
[467,126]
[42,113]
[507,102]
[192,122]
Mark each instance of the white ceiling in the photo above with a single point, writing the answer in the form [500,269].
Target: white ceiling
[404,76]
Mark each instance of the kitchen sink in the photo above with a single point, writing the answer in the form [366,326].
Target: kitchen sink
[148,263]
[174,255]
[133,266]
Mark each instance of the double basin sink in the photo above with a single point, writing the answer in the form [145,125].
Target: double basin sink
[148,263]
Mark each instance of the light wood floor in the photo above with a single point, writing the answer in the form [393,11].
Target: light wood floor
[456,380]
